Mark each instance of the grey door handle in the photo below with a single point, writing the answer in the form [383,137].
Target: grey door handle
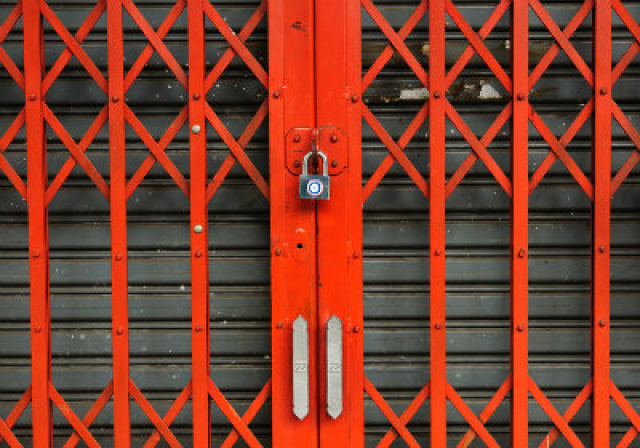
[300,368]
[334,367]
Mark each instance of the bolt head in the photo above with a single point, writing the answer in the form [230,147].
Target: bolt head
[438,326]
[119,331]
[196,96]
[195,128]
[279,325]
[36,254]
[521,253]
[118,257]
[602,249]
[438,252]
[356,329]
[37,329]
[520,96]
[334,138]
[276,94]
[604,91]
[115,98]
[198,327]
[520,327]
[602,323]
[297,138]
[356,254]
[198,228]
[278,252]
[198,253]
[355,98]
[334,164]
[32,97]
[436,94]
[297,164]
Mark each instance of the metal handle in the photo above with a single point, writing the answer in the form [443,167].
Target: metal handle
[300,355]
[334,367]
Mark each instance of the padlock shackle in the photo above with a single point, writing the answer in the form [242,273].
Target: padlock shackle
[325,163]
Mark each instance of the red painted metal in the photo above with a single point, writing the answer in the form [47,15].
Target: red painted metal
[315,82]
[293,222]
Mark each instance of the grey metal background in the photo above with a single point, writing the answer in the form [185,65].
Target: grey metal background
[395,234]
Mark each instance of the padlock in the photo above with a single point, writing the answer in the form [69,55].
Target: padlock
[314,186]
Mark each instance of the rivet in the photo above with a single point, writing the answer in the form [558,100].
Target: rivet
[198,228]
[276,94]
[520,327]
[118,257]
[603,91]
[356,254]
[521,253]
[436,94]
[195,129]
[520,96]
[334,138]
[198,327]
[334,164]
[198,253]
[120,330]
[603,323]
[37,329]
[438,252]
[278,252]
[355,98]
[602,249]
[438,326]
[115,98]
[36,254]
[32,97]
[196,96]
[279,325]
[297,164]
[356,329]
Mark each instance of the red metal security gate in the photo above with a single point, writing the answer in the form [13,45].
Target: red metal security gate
[323,85]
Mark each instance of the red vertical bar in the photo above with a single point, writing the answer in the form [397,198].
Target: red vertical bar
[338,77]
[293,262]
[119,262]
[520,225]
[438,348]
[601,231]
[199,228]
[38,227]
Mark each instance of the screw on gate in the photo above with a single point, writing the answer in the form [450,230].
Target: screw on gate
[198,228]
[520,96]
[115,98]
[195,129]
[32,97]
[196,96]
[355,98]
[297,138]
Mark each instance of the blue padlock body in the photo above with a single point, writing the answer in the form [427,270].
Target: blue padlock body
[314,186]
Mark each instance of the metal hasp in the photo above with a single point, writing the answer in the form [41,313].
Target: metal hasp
[300,357]
[334,367]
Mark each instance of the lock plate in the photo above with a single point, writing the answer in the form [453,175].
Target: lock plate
[331,141]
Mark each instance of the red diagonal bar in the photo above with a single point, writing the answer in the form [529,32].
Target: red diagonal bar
[486,140]
[628,438]
[561,153]
[72,418]
[230,53]
[404,140]
[244,140]
[146,407]
[397,42]
[485,30]
[11,68]
[249,414]
[5,166]
[406,416]
[238,46]
[568,136]
[388,52]
[634,135]
[479,46]
[395,150]
[157,150]
[73,45]
[84,144]
[171,414]
[571,411]
[488,411]
[160,147]
[97,407]
[389,414]
[626,18]
[233,416]
[80,35]
[478,148]
[562,40]
[149,50]
[554,415]
[625,406]
[5,29]
[156,41]
[237,151]
[470,417]
[554,50]
[13,417]
[10,21]
[76,151]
